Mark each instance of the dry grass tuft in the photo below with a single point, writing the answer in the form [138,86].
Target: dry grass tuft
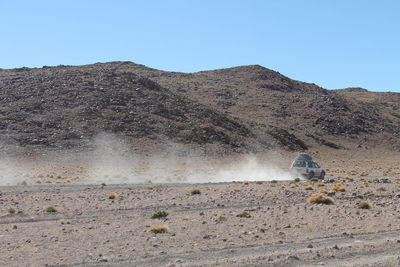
[363,205]
[320,199]
[381,189]
[259,182]
[338,187]
[236,189]
[293,185]
[245,182]
[296,180]
[323,191]
[158,229]
[307,186]
[112,195]
[320,184]
[11,210]
[195,192]
[159,214]
[244,214]
[51,209]
[314,179]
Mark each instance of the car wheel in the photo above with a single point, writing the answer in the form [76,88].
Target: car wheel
[322,175]
[310,175]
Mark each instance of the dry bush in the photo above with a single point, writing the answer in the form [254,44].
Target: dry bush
[158,229]
[296,180]
[159,214]
[381,189]
[363,205]
[11,210]
[258,182]
[323,191]
[236,189]
[320,184]
[112,195]
[51,209]
[244,214]
[320,199]
[245,182]
[195,192]
[314,179]
[274,181]
[364,173]
[293,185]
[222,218]
[283,186]
[307,186]
[338,187]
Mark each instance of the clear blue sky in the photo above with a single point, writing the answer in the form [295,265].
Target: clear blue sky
[335,44]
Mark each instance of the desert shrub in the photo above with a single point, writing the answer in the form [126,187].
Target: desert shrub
[159,214]
[244,214]
[320,199]
[274,181]
[293,185]
[112,195]
[158,229]
[297,179]
[364,173]
[258,182]
[314,179]
[323,191]
[236,189]
[283,186]
[11,210]
[381,189]
[103,184]
[195,192]
[307,186]
[51,209]
[222,218]
[320,184]
[363,205]
[245,182]
[338,187]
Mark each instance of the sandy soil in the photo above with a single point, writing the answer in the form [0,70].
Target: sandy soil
[278,226]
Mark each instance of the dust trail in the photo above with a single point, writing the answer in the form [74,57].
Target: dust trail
[112,162]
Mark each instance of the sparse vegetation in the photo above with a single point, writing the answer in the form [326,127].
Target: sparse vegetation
[258,182]
[324,191]
[159,214]
[320,199]
[274,181]
[51,209]
[236,189]
[320,184]
[293,185]
[158,229]
[307,186]
[222,218]
[314,179]
[11,210]
[297,179]
[245,182]
[244,214]
[112,195]
[195,192]
[363,205]
[381,189]
[338,187]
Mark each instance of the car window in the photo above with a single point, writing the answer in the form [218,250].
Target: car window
[299,164]
[310,165]
[316,165]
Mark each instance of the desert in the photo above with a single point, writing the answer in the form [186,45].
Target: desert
[118,164]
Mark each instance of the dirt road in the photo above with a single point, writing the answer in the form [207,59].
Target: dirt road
[226,224]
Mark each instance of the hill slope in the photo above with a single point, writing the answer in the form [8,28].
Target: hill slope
[241,108]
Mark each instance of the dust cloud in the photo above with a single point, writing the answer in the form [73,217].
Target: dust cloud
[112,162]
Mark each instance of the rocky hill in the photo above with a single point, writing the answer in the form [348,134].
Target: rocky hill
[248,108]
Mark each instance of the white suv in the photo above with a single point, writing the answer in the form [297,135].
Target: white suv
[304,166]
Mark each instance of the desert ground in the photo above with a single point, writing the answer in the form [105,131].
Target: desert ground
[53,216]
